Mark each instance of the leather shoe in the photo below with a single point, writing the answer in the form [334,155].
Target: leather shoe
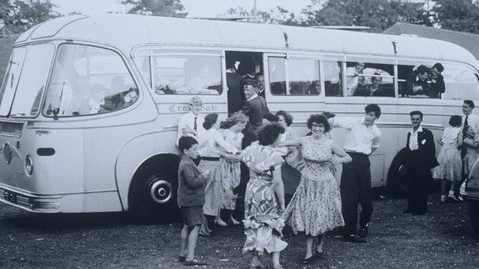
[354,238]
[407,211]
[308,260]
[363,231]
[181,258]
[194,262]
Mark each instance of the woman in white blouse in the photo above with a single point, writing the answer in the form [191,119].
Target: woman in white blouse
[212,146]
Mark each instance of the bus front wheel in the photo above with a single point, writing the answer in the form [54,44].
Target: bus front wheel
[154,198]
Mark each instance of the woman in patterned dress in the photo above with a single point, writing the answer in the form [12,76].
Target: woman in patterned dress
[232,129]
[316,205]
[264,197]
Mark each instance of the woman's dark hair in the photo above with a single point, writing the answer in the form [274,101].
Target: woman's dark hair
[186,142]
[287,117]
[233,120]
[455,121]
[319,119]
[210,119]
[268,133]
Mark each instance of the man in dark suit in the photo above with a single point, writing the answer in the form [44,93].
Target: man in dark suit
[418,82]
[235,83]
[421,158]
[256,109]
[437,81]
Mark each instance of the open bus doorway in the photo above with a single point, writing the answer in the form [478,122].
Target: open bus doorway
[241,67]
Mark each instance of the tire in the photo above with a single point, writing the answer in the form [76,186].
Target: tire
[396,181]
[153,198]
[473,210]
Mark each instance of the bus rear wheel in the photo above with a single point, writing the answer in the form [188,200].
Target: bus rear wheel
[154,198]
[396,182]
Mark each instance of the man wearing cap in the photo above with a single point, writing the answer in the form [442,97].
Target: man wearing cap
[191,123]
[256,109]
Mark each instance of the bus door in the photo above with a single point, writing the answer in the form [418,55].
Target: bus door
[242,67]
[294,85]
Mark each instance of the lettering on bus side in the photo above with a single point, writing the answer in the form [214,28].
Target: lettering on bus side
[186,108]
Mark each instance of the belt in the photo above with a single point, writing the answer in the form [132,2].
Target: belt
[210,158]
[356,153]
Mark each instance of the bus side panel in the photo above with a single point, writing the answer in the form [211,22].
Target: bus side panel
[136,152]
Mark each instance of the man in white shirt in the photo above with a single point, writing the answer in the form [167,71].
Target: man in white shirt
[470,119]
[191,123]
[420,159]
[362,139]
[354,77]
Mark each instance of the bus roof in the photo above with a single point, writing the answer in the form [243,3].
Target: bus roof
[127,31]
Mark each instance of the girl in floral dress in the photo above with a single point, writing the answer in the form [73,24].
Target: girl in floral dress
[231,128]
[264,197]
[316,205]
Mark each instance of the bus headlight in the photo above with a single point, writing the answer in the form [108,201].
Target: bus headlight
[29,165]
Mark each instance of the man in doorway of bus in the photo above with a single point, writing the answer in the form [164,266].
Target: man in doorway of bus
[418,82]
[472,120]
[191,123]
[362,139]
[191,198]
[437,81]
[355,78]
[235,83]
[420,159]
[256,109]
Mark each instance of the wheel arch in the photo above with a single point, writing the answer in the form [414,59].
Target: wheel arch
[147,151]
[164,163]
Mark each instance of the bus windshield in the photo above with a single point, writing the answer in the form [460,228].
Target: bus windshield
[32,81]
[25,80]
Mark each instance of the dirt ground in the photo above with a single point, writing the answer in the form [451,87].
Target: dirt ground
[442,238]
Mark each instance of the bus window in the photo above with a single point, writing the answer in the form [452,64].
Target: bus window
[277,75]
[421,80]
[369,79]
[187,74]
[32,81]
[88,80]
[303,75]
[332,78]
[11,80]
[461,82]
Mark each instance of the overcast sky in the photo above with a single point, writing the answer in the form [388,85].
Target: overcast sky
[195,8]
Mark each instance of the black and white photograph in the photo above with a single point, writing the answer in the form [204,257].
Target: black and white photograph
[239,134]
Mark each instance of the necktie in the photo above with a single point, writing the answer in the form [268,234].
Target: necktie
[464,128]
[195,125]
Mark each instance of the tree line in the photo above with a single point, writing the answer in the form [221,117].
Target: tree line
[458,15]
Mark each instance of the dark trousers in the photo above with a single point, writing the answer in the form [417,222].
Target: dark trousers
[417,178]
[356,190]
[417,181]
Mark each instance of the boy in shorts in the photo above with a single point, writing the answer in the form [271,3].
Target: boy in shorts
[191,197]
